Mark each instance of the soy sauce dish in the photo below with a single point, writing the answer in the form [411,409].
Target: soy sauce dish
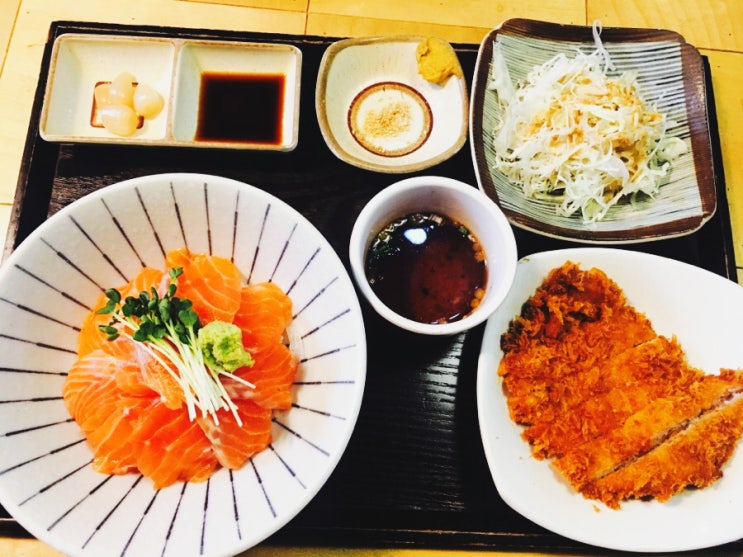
[433,255]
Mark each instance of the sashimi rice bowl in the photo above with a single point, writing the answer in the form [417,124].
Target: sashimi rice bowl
[182,361]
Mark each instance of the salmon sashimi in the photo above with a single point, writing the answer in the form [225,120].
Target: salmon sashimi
[273,374]
[104,411]
[95,375]
[91,336]
[264,313]
[129,399]
[113,453]
[170,447]
[235,443]
[212,283]
[139,373]
[155,375]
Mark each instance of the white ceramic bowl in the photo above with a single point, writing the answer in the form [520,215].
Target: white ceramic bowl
[376,112]
[50,283]
[458,201]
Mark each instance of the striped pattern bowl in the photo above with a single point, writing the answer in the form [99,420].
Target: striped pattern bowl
[671,77]
[50,282]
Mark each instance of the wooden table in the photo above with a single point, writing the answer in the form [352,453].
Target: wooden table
[713,27]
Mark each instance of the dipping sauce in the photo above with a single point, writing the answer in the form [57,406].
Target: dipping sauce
[428,268]
[245,108]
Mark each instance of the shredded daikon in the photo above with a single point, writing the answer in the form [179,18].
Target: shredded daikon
[572,134]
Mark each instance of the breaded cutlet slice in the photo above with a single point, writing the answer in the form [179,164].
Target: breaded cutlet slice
[626,384]
[615,406]
[575,321]
[559,373]
[648,428]
[568,297]
[693,457]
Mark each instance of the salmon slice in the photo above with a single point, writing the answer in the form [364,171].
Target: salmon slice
[92,381]
[169,447]
[145,280]
[265,312]
[693,457]
[212,283]
[154,375]
[233,443]
[128,432]
[91,336]
[105,413]
[273,373]
[113,452]
[128,375]
[139,374]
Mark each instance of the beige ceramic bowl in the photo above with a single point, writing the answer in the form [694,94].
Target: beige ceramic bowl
[458,201]
[376,111]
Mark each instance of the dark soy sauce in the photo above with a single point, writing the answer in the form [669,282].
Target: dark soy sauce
[246,108]
[427,268]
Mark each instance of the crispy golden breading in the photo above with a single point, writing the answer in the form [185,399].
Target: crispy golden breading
[628,382]
[692,458]
[647,428]
[565,332]
[606,398]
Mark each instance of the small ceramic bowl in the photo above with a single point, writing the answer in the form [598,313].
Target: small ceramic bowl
[377,112]
[203,84]
[268,90]
[461,203]
[80,62]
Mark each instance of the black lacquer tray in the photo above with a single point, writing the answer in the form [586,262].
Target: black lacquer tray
[414,473]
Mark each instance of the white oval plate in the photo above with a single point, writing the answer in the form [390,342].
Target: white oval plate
[703,310]
[50,282]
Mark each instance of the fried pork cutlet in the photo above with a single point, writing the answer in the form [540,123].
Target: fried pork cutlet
[609,400]
[627,383]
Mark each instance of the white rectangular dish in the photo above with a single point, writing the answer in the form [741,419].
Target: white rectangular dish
[177,70]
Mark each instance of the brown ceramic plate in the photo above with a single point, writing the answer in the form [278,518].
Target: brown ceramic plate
[670,76]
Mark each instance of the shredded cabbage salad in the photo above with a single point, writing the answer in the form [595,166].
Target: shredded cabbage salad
[572,134]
